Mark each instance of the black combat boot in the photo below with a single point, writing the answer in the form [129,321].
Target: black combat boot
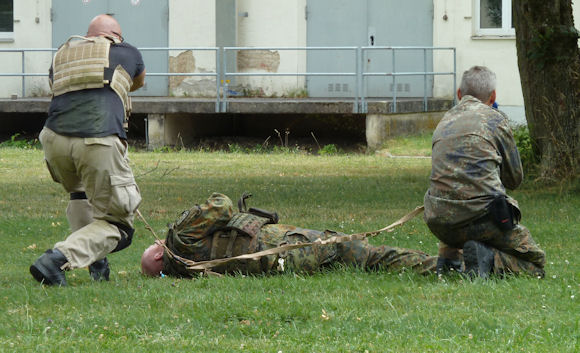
[478,259]
[99,270]
[47,268]
[445,265]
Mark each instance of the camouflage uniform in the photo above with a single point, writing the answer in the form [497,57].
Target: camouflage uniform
[474,160]
[202,234]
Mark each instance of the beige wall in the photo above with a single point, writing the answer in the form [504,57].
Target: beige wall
[32,29]
[497,53]
[273,23]
[192,24]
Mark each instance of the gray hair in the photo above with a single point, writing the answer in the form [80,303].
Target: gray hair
[479,82]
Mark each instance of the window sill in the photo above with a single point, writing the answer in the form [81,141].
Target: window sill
[6,40]
[493,37]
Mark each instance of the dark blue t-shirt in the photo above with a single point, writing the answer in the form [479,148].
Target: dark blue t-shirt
[96,112]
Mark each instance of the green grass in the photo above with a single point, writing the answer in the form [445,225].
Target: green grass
[415,145]
[340,310]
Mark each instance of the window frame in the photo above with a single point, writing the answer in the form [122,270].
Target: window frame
[506,21]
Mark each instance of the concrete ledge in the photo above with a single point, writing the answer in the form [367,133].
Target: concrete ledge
[163,105]
[170,105]
[408,105]
[24,105]
[289,106]
[381,127]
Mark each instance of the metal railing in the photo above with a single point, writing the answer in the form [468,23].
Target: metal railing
[23,72]
[394,74]
[215,74]
[356,73]
[222,73]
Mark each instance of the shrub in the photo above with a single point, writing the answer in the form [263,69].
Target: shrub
[21,143]
[525,147]
[328,150]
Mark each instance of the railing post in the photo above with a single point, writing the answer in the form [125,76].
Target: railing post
[357,108]
[454,77]
[217,81]
[363,83]
[424,79]
[223,81]
[394,107]
[23,76]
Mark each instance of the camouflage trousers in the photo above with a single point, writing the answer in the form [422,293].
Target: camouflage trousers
[515,251]
[357,253]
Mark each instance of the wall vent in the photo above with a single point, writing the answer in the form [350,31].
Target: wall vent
[401,87]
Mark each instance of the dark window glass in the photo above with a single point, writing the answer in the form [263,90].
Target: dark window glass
[6,16]
[490,12]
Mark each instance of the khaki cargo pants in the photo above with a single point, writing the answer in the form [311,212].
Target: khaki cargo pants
[99,167]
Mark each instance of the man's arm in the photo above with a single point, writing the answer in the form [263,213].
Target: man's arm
[138,81]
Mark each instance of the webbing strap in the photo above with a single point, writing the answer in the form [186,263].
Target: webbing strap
[206,265]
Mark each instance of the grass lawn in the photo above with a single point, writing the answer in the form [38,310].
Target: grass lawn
[339,310]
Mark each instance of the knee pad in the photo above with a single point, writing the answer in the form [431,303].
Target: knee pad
[126,236]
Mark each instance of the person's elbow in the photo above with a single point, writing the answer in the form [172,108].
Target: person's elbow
[513,181]
[138,81]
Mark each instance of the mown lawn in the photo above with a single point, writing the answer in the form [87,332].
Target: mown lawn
[340,310]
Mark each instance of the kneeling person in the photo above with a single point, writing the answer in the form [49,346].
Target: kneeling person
[213,231]
[474,160]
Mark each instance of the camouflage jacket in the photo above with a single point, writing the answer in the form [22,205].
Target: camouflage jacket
[474,157]
[202,233]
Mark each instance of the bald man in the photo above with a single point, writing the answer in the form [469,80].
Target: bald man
[85,146]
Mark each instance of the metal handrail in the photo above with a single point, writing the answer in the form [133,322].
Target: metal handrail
[227,74]
[221,73]
[23,74]
[215,74]
[395,74]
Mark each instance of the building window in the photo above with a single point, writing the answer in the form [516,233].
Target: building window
[494,18]
[6,19]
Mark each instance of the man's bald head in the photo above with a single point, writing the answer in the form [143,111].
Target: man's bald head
[104,25]
[152,260]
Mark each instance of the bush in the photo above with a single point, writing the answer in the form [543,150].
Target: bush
[328,150]
[525,147]
[21,143]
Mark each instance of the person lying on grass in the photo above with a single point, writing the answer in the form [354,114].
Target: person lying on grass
[213,231]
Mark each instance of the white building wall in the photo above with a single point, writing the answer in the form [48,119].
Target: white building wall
[497,53]
[454,26]
[32,29]
[272,23]
[192,23]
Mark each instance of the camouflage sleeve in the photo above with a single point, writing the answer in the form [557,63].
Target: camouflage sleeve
[511,171]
